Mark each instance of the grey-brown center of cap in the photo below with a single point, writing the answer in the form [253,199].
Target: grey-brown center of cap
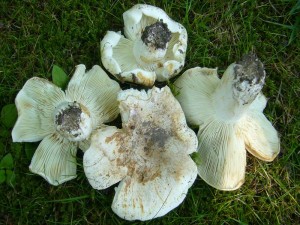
[69,118]
[154,135]
[156,35]
[249,78]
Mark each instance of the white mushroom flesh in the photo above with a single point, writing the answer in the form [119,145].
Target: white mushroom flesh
[239,86]
[149,154]
[229,114]
[152,47]
[63,120]
[155,48]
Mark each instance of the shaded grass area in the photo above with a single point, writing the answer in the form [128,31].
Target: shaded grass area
[37,34]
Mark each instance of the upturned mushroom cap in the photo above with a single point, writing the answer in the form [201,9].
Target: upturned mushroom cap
[149,155]
[154,47]
[63,120]
[229,114]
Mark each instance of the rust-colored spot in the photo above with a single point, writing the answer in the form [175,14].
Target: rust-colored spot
[84,110]
[155,175]
[115,136]
[177,175]
[145,174]
[145,60]
[119,162]
[140,75]
[141,205]
[127,184]
[27,105]
[131,167]
[170,68]
[144,80]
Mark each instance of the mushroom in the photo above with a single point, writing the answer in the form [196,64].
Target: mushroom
[63,120]
[149,155]
[154,47]
[229,113]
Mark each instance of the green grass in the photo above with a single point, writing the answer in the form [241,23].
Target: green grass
[35,35]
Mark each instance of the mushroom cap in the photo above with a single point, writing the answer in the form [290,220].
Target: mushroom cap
[63,120]
[229,121]
[128,59]
[150,154]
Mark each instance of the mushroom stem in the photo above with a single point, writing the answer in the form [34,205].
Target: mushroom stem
[72,121]
[145,54]
[240,84]
[153,44]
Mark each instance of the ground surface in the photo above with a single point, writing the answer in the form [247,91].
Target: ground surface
[35,35]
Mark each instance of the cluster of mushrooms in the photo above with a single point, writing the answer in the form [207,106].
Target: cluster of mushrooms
[150,155]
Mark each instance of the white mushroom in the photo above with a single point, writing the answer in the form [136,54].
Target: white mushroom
[153,48]
[149,155]
[230,115]
[63,120]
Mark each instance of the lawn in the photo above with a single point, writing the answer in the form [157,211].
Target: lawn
[37,34]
